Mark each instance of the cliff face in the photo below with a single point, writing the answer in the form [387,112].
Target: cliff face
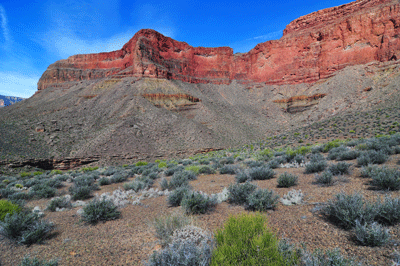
[313,47]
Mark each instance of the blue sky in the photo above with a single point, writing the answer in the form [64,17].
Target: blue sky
[36,33]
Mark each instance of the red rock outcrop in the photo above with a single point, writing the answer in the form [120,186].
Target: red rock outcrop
[313,47]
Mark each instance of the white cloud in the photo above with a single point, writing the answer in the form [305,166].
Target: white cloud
[15,84]
[4,26]
[248,44]
[269,36]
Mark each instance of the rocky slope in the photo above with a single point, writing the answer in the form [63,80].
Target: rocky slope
[313,47]
[157,97]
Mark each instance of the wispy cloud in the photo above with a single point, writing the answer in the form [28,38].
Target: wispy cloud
[15,84]
[4,26]
[269,36]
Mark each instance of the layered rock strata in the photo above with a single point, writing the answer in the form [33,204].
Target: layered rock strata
[313,47]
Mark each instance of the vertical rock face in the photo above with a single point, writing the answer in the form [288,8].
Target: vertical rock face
[313,47]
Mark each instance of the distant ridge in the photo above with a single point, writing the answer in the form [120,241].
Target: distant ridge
[9,100]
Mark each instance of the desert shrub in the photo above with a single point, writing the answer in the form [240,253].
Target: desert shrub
[27,261]
[340,168]
[372,157]
[386,179]
[166,225]
[348,155]
[82,187]
[153,175]
[55,203]
[241,177]
[334,153]
[287,180]
[329,257]
[178,180]
[176,196]
[7,207]
[110,171]
[253,164]
[104,181]
[344,210]
[25,228]
[290,253]
[25,174]
[189,175]
[183,252]
[317,164]
[262,200]
[187,162]
[164,184]
[80,192]
[56,172]
[139,183]
[197,203]
[275,163]
[43,191]
[204,169]
[62,178]
[228,169]
[261,173]
[236,242]
[52,182]
[298,158]
[389,211]
[118,178]
[227,160]
[100,210]
[172,170]
[325,178]
[372,234]
[238,193]
[367,171]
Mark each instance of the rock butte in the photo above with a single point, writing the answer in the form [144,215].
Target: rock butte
[313,47]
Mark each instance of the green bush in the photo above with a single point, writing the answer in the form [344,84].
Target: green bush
[194,168]
[100,210]
[25,174]
[140,163]
[372,234]
[262,200]
[56,172]
[245,240]
[27,261]
[238,193]
[197,203]
[162,165]
[287,180]
[204,169]
[7,207]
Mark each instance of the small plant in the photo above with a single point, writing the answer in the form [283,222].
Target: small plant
[325,179]
[7,207]
[100,210]
[174,169]
[329,257]
[25,174]
[166,225]
[262,200]
[58,203]
[206,170]
[194,168]
[176,196]
[386,179]
[372,234]
[317,164]
[287,180]
[339,168]
[197,203]
[118,178]
[19,186]
[27,261]
[56,172]
[242,177]
[139,183]
[261,173]
[43,191]
[162,165]
[238,193]
[236,242]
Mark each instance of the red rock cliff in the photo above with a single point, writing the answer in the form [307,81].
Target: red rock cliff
[312,47]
